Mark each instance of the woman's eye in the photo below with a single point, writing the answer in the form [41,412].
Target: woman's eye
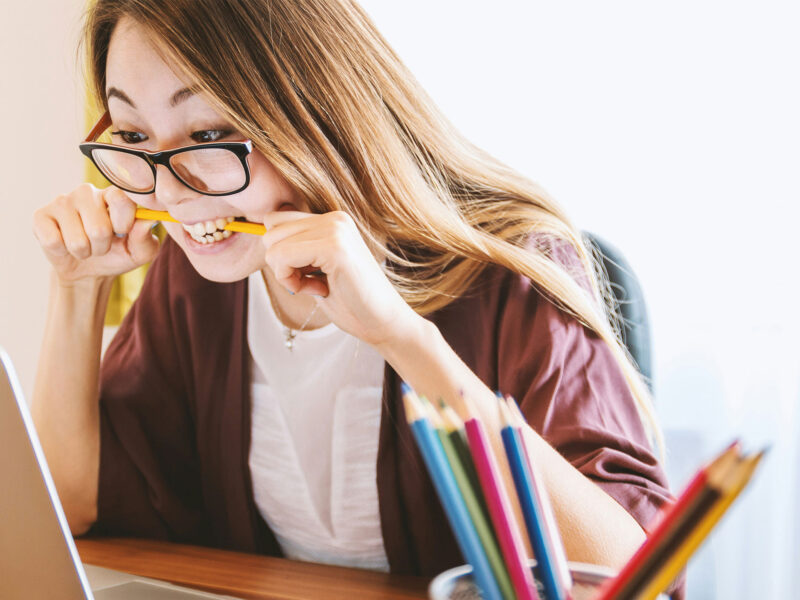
[130,137]
[210,135]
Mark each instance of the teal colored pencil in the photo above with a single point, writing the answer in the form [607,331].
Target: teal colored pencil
[477,514]
[449,495]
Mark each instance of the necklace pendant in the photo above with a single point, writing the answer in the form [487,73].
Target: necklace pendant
[290,335]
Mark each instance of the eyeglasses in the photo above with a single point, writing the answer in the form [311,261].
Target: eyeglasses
[213,169]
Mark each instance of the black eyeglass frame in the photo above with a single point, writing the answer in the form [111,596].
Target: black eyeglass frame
[240,149]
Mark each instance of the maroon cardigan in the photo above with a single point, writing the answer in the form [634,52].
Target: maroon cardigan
[175,415]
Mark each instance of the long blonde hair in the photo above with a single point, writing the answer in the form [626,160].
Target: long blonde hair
[322,95]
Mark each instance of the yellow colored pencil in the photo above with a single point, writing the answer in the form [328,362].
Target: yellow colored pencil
[238,226]
[673,566]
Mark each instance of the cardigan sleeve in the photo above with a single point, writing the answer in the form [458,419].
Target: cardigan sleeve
[149,483]
[574,394]
[572,391]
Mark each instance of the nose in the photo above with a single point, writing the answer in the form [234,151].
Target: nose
[169,190]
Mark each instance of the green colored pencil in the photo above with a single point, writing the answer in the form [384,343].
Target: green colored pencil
[476,513]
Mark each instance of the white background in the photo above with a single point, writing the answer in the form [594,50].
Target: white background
[672,130]
[669,128]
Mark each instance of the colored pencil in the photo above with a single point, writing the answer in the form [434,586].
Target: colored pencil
[447,489]
[479,516]
[551,532]
[675,523]
[454,427]
[742,472]
[238,226]
[530,508]
[508,531]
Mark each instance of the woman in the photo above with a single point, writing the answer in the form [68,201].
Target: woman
[250,399]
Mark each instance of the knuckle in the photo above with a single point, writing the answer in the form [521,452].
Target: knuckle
[113,197]
[99,231]
[341,227]
[78,248]
[340,218]
[50,242]
[79,194]
[63,201]
[44,231]
[40,215]
[98,200]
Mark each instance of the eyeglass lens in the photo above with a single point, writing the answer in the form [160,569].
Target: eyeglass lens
[207,170]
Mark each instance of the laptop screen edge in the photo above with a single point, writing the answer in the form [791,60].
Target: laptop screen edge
[27,420]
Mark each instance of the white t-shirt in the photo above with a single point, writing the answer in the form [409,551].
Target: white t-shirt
[316,415]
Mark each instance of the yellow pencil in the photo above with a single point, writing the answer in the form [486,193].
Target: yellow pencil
[670,570]
[239,226]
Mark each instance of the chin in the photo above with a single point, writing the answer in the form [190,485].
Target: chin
[224,273]
[225,261]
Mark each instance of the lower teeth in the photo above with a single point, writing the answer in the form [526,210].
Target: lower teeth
[211,238]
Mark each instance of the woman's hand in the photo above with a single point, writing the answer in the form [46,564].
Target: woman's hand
[355,293]
[92,234]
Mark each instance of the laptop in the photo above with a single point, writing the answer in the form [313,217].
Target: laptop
[38,558]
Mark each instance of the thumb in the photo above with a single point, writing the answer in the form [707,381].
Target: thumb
[141,242]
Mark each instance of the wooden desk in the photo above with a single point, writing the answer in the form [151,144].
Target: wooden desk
[246,575]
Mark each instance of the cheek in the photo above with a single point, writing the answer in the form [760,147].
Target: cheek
[268,190]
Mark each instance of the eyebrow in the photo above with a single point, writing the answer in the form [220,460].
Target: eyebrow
[180,96]
[117,93]
[176,99]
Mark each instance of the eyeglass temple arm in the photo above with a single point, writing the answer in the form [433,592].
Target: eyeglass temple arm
[101,125]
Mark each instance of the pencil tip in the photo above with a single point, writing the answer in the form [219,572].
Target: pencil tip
[505,417]
[734,444]
[411,410]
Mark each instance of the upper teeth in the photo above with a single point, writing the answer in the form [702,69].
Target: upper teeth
[206,231]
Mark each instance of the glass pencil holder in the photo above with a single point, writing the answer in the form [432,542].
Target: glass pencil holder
[457,584]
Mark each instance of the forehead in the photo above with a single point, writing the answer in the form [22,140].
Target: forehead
[135,66]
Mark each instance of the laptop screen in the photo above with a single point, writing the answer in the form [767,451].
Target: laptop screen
[38,558]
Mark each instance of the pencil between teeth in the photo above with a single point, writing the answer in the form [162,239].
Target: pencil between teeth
[238,226]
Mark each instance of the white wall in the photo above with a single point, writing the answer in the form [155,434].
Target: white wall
[42,123]
[672,130]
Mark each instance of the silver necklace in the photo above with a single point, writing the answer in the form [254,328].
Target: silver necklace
[289,333]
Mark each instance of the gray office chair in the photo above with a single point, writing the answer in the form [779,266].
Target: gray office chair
[630,304]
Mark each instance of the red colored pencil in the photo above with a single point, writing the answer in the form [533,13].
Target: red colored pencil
[666,524]
[499,504]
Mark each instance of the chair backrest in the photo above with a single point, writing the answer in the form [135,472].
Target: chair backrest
[630,305]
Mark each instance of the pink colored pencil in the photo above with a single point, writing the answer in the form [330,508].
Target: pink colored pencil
[549,526]
[497,500]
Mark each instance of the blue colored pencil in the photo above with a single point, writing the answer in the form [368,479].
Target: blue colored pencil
[449,495]
[552,536]
[531,511]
